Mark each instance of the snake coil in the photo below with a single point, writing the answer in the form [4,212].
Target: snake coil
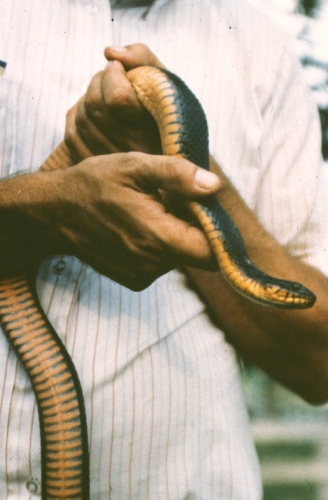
[64,444]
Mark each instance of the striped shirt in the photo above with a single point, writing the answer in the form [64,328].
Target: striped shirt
[165,408]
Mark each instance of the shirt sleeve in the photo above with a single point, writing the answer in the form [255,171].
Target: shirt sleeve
[292,201]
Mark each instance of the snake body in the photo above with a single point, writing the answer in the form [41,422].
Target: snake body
[64,446]
[183,130]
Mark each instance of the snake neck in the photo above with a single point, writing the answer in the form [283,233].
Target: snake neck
[181,120]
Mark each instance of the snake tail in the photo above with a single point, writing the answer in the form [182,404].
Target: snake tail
[64,446]
[183,130]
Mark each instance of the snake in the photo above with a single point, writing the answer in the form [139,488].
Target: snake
[63,426]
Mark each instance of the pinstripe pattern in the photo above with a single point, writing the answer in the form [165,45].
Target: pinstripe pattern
[151,365]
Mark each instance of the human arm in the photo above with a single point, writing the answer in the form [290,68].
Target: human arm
[289,345]
[105,211]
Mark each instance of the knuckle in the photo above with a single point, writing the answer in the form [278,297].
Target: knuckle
[133,162]
[170,170]
[144,52]
[180,174]
[142,47]
[91,105]
[81,121]
[147,56]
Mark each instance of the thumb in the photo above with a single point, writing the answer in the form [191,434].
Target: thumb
[176,175]
[132,56]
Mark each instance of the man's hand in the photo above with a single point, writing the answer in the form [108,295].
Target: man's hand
[106,210]
[109,117]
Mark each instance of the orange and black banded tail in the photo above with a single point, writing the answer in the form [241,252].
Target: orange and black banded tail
[64,446]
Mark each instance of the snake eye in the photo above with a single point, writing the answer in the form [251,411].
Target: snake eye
[296,287]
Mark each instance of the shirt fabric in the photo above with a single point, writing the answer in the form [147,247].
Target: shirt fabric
[165,408]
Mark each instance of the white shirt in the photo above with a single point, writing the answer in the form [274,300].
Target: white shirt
[165,409]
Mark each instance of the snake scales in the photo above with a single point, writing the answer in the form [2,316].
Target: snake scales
[64,444]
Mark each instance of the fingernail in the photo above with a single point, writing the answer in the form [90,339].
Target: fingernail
[205,179]
[116,48]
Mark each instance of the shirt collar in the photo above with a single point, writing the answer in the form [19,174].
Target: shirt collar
[157,5]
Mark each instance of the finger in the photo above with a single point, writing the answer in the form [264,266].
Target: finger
[93,132]
[93,98]
[72,137]
[186,245]
[110,92]
[139,127]
[172,174]
[177,206]
[118,93]
[132,56]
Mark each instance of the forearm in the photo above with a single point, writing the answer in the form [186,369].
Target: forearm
[24,238]
[291,346]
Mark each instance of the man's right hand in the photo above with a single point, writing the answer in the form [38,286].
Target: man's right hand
[106,211]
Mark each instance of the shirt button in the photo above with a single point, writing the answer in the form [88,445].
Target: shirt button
[59,267]
[33,486]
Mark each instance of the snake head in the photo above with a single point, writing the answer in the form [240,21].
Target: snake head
[289,294]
